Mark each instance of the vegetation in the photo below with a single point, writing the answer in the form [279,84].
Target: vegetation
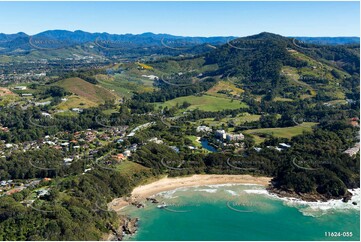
[86,90]
[307,98]
[205,103]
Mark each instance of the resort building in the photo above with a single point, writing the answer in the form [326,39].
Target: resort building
[234,137]
[203,128]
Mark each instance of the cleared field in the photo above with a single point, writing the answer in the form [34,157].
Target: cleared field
[240,119]
[76,102]
[147,67]
[225,86]
[8,99]
[294,78]
[91,92]
[287,132]
[312,74]
[205,103]
[196,65]
[5,91]
[129,168]
[123,85]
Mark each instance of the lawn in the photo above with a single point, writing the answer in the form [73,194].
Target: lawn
[287,132]
[205,103]
[194,140]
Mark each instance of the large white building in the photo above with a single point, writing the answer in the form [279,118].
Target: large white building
[234,137]
[203,129]
[221,134]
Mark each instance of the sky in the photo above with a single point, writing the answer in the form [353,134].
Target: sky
[184,18]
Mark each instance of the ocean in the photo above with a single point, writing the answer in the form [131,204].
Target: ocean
[243,212]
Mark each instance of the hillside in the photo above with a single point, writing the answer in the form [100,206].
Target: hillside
[273,66]
[85,90]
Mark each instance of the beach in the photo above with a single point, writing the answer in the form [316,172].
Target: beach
[140,193]
[240,212]
[201,204]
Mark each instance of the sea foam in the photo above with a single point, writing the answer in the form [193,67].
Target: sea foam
[233,193]
[207,190]
[316,208]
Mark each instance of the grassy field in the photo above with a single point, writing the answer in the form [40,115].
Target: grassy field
[205,103]
[293,77]
[287,132]
[225,86]
[145,66]
[123,84]
[186,65]
[240,119]
[194,140]
[7,96]
[316,70]
[129,168]
[92,93]
[76,102]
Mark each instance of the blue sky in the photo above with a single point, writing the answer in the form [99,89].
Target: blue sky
[185,18]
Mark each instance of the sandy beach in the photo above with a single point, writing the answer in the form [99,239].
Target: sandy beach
[140,193]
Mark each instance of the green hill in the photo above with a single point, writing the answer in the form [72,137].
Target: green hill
[86,90]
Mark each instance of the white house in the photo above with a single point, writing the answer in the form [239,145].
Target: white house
[20,88]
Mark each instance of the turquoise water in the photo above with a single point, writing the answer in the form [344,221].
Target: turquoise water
[238,213]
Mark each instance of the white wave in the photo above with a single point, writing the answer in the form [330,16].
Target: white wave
[233,193]
[207,190]
[331,205]
[315,208]
[169,194]
[233,184]
[257,191]
[221,185]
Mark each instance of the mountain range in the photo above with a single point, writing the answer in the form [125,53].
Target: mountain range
[134,44]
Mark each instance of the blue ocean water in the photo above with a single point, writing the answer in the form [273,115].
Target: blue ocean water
[243,212]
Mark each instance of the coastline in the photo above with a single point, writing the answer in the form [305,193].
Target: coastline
[141,193]
[167,184]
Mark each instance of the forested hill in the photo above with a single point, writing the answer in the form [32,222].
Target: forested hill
[265,63]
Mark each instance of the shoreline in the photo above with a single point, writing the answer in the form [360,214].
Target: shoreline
[168,184]
[141,193]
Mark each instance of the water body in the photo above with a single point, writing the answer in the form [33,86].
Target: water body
[206,146]
[242,212]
